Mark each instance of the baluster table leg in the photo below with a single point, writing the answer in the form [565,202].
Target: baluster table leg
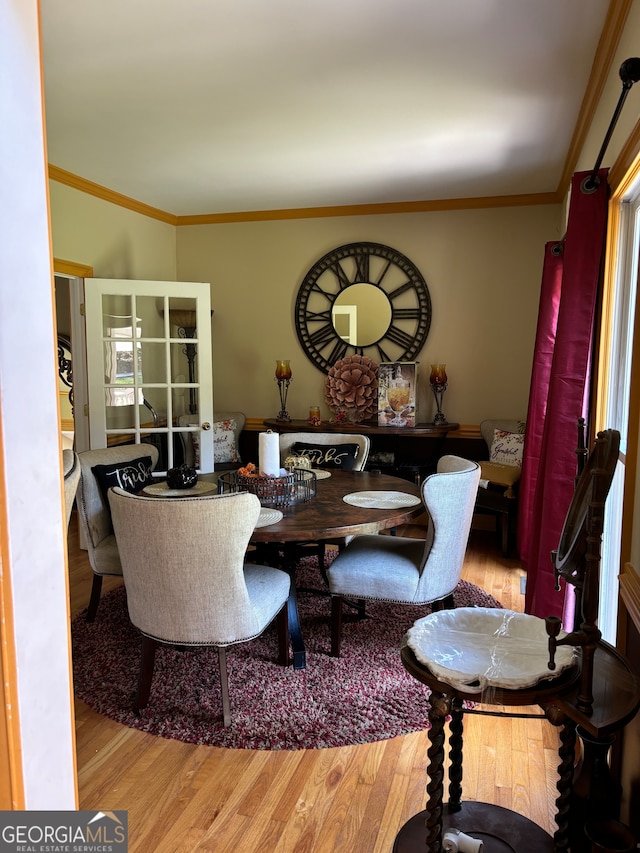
[567,754]
[455,754]
[438,712]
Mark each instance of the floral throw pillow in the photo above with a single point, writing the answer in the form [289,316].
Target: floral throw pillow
[224,442]
[506,448]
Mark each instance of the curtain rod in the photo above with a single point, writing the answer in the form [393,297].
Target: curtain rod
[629,74]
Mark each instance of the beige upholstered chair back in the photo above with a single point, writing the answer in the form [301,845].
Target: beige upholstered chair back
[182,562]
[95,521]
[288,439]
[449,496]
[71,470]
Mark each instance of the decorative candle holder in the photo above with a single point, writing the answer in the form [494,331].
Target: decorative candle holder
[283,378]
[314,416]
[438,382]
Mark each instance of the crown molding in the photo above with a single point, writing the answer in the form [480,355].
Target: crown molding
[72,268]
[381,209]
[605,54]
[85,186]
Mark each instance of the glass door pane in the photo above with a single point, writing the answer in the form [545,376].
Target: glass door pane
[149,364]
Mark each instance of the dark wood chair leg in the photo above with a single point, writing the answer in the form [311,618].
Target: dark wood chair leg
[145,676]
[224,686]
[283,636]
[336,625]
[446,603]
[94,599]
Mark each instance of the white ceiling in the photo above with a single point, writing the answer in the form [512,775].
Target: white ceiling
[215,106]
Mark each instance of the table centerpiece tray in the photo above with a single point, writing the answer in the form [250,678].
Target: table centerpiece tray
[294,487]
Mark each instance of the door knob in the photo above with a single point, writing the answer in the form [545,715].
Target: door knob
[206,425]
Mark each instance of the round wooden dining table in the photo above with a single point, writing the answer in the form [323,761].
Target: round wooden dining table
[327,517]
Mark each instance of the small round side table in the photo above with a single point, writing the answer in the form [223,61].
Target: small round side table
[616,701]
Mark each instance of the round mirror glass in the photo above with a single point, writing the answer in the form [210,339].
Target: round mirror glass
[361,314]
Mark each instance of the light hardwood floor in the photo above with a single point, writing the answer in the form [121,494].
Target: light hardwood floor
[182,798]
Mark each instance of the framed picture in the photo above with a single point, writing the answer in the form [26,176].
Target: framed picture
[397,384]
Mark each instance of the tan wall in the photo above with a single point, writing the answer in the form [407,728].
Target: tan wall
[483,270]
[116,242]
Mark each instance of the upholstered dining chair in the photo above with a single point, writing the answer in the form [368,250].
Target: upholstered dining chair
[326,450]
[183,562]
[71,472]
[96,529]
[405,570]
[346,451]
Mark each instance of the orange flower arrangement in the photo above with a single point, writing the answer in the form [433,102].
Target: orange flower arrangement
[249,470]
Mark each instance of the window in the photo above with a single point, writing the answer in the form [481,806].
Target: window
[619,311]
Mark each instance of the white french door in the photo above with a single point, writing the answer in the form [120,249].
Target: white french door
[149,367]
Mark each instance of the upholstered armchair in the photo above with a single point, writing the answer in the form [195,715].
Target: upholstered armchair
[500,476]
[128,463]
[183,561]
[71,472]
[405,570]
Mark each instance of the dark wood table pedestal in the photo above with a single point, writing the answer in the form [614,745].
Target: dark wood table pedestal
[616,701]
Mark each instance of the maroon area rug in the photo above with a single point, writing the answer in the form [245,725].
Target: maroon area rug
[363,696]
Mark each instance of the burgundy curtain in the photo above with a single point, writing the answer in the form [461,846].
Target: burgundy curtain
[540,378]
[559,392]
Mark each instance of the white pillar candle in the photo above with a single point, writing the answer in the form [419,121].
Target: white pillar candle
[269,454]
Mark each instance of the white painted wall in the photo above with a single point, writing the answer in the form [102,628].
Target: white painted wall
[29,421]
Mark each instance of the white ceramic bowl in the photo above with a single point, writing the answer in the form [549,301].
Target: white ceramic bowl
[475,648]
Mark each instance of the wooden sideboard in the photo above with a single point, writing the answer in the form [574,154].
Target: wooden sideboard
[408,452]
